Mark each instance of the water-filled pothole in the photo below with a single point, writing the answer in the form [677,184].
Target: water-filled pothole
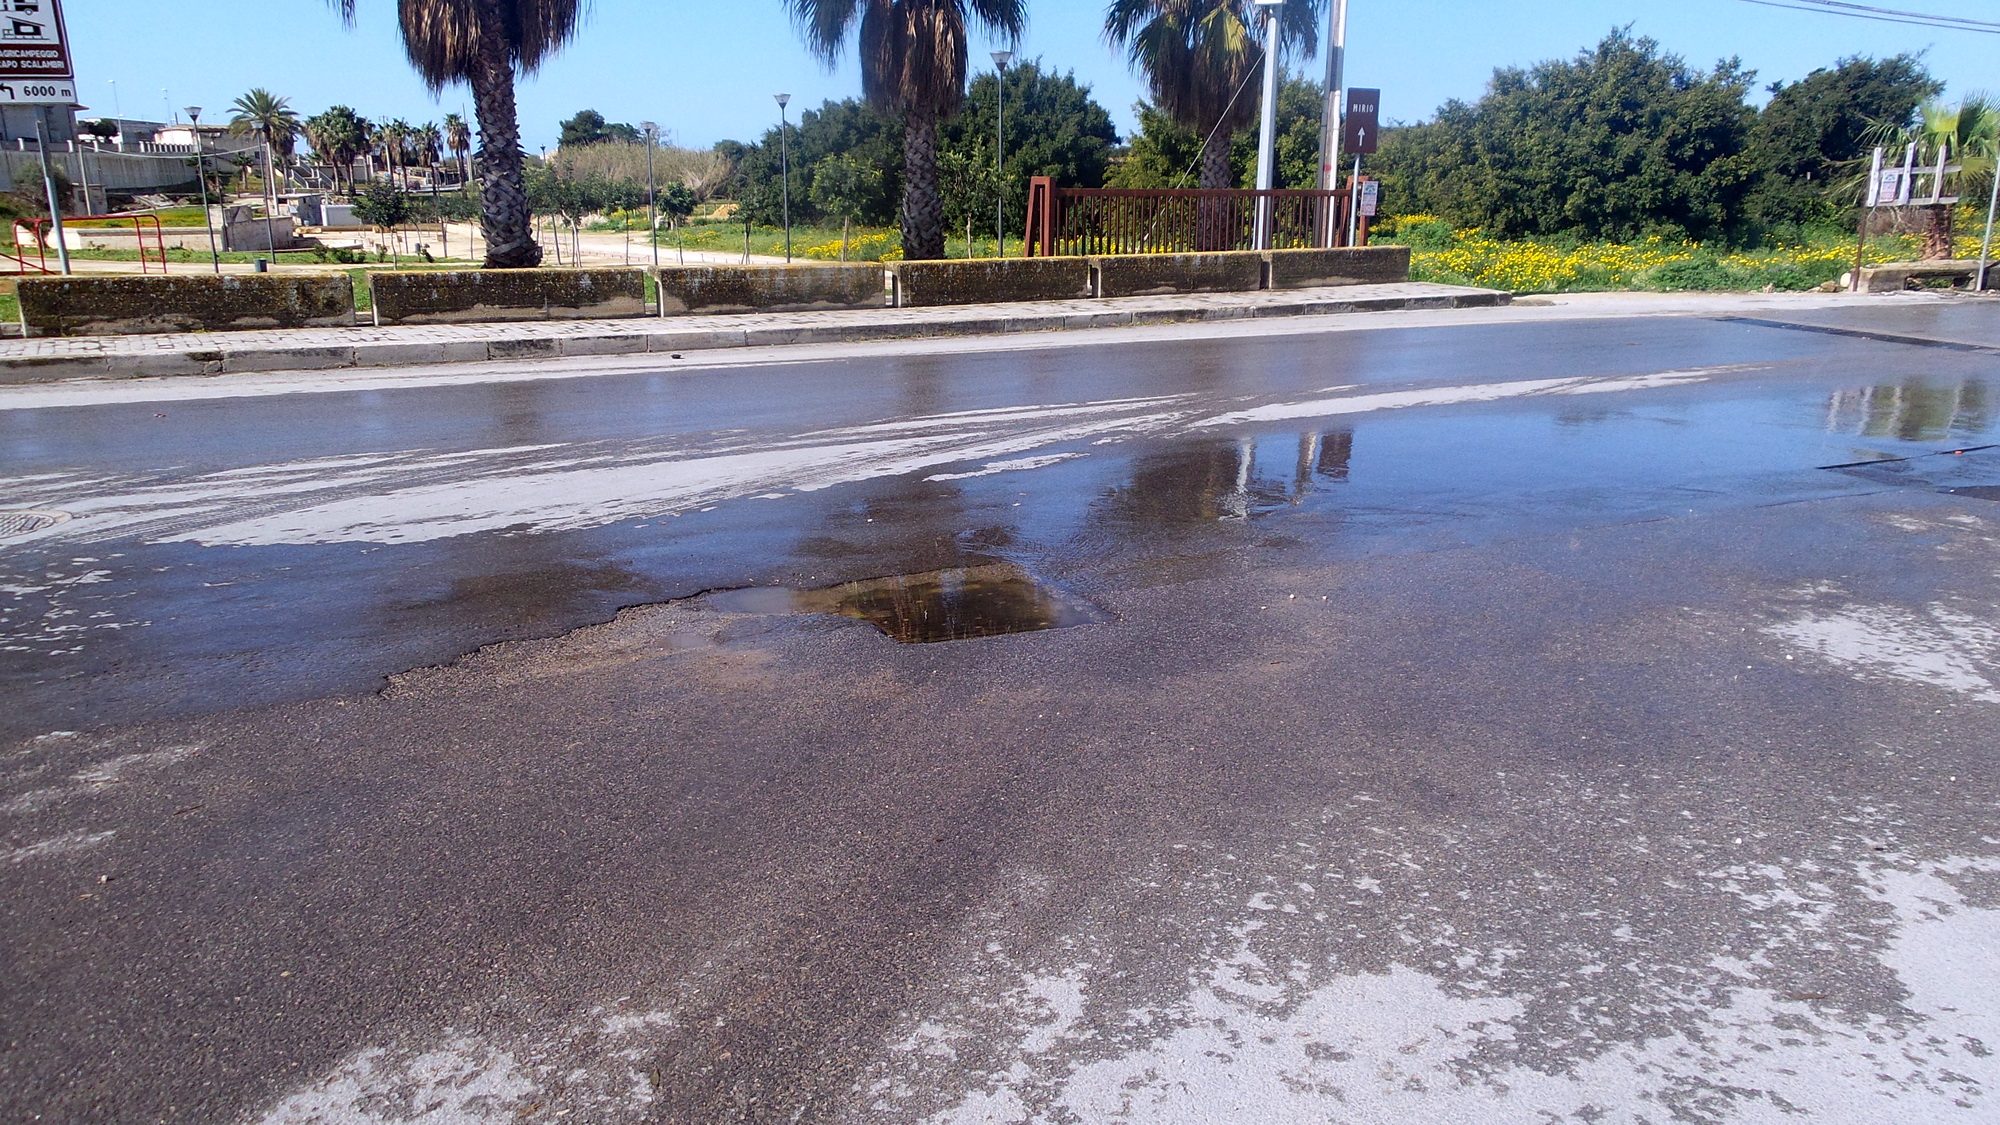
[938,605]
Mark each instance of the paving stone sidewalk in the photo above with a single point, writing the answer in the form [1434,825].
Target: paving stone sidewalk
[216,353]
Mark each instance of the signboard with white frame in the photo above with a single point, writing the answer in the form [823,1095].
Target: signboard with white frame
[34,54]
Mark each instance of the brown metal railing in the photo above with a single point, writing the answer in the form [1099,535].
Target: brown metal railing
[1169,221]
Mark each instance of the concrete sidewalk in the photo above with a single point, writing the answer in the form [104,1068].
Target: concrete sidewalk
[216,353]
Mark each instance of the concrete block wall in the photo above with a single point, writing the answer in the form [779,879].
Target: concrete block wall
[471,296]
[120,305]
[977,281]
[1146,275]
[804,287]
[1361,265]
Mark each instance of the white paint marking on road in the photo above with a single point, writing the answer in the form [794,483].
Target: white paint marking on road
[1940,647]
[1254,1039]
[77,841]
[418,495]
[1018,464]
[587,1069]
[1478,392]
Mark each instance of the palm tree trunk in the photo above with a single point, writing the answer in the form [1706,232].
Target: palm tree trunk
[1212,217]
[503,197]
[1216,174]
[923,205]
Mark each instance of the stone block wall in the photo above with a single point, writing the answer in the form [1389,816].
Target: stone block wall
[119,305]
[801,287]
[471,296]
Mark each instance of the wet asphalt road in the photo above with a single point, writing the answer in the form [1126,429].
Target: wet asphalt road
[1504,721]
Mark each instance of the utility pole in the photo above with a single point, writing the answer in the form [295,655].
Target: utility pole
[49,185]
[652,134]
[201,176]
[1000,61]
[1267,128]
[785,170]
[1329,125]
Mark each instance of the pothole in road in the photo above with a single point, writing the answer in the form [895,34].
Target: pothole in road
[938,605]
[13,525]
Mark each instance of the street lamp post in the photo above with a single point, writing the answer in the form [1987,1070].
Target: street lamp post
[1267,128]
[49,187]
[785,170]
[1329,124]
[201,177]
[652,135]
[1000,61]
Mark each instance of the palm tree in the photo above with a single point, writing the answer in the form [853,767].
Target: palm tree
[912,64]
[274,122]
[486,44]
[458,139]
[1200,58]
[338,135]
[428,141]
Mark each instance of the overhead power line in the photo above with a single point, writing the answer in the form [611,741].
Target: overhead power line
[1884,15]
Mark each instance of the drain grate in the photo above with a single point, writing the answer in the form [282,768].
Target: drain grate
[16,524]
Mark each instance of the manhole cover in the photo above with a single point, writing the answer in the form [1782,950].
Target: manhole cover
[16,524]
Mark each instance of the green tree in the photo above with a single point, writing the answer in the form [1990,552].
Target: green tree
[844,128]
[971,188]
[912,65]
[1812,128]
[588,127]
[1163,153]
[1201,59]
[845,187]
[1054,129]
[385,207]
[487,44]
[1622,140]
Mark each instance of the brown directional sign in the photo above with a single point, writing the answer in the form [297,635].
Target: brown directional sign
[1363,121]
[34,59]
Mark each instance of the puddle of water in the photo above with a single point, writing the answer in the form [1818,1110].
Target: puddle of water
[940,605]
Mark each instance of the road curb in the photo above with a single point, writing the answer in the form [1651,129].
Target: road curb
[216,354]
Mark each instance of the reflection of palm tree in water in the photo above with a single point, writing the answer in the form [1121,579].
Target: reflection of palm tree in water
[1913,410]
[1204,481]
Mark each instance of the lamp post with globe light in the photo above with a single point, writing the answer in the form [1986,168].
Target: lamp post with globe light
[652,134]
[1000,61]
[1267,128]
[785,169]
[201,175]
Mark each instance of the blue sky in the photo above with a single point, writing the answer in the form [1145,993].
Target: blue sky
[706,70]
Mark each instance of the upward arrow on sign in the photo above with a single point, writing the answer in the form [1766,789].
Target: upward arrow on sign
[1363,125]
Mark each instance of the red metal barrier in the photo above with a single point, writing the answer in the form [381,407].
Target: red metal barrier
[1174,221]
[39,229]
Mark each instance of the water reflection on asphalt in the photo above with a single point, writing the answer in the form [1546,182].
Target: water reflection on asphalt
[1089,495]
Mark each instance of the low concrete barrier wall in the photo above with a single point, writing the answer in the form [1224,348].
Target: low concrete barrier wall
[792,288]
[1946,273]
[468,296]
[1361,265]
[118,305]
[1146,275]
[981,280]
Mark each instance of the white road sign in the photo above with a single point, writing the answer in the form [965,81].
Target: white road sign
[34,54]
[1371,198]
